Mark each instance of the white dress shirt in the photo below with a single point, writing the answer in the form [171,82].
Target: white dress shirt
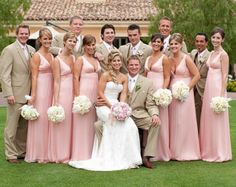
[108,46]
[25,50]
[132,82]
[78,43]
[134,49]
[200,55]
[166,42]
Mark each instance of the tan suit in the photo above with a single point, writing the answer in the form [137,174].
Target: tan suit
[200,86]
[16,81]
[143,108]
[58,44]
[143,52]
[102,49]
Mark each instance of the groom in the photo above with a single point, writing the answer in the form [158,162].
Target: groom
[144,111]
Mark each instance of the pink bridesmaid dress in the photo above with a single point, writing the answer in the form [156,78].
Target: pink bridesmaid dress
[214,128]
[155,73]
[184,142]
[37,136]
[83,125]
[59,149]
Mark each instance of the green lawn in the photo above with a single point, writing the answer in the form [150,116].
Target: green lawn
[173,173]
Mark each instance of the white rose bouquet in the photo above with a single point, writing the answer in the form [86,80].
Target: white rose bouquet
[29,112]
[81,104]
[180,91]
[219,104]
[56,114]
[162,97]
[121,111]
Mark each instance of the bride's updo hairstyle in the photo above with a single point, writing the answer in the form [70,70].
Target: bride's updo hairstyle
[111,56]
[176,36]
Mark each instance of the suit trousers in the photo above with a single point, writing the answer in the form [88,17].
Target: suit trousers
[198,107]
[152,134]
[15,133]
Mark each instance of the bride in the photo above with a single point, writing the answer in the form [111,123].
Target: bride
[119,147]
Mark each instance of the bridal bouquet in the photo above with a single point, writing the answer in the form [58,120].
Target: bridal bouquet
[29,112]
[121,111]
[56,114]
[219,104]
[180,91]
[81,105]
[162,97]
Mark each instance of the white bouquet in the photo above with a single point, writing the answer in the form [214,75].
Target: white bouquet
[121,111]
[56,114]
[29,112]
[82,104]
[219,104]
[162,97]
[180,91]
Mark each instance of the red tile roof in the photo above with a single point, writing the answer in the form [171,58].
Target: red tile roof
[113,10]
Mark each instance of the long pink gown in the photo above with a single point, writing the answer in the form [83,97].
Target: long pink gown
[59,149]
[214,128]
[37,136]
[83,125]
[156,75]
[184,142]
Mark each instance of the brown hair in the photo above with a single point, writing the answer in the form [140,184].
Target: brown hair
[176,36]
[133,57]
[111,56]
[218,30]
[43,31]
[156,36]
[88,39]
[22,26]
[69,35]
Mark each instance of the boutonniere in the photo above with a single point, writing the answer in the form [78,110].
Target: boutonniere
[139,53]
[31,54]
[137,88]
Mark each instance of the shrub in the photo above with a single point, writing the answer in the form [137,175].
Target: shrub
[231,86]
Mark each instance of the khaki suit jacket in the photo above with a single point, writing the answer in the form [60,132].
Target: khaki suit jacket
[58,44]
[143,52]
[203,69]
[101,48]
[15,72]
[141,99]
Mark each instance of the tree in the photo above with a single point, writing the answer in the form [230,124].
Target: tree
[11,14]
[190,17]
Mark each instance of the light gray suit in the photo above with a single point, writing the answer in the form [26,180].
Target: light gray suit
[16,81]
[101,48]
[200,86]
[58,44]
[125,50]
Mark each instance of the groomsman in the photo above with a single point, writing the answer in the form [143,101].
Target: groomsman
[144,111]
[200,56]
[16,82]
[135,47]
[165,28]
[76,23]
[105,47]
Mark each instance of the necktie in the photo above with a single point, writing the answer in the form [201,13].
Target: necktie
[133,50]
[26,52]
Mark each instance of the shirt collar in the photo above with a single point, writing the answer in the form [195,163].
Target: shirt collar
[136,46]
[21,45]
[108,46]
[133,78]
[202,53]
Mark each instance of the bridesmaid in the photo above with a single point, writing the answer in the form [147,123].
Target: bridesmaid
[86,73]
[214,128]
[184,142]
[41,93]
[60,134]
[157,68]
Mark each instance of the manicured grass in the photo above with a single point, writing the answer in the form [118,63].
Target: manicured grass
[173,173]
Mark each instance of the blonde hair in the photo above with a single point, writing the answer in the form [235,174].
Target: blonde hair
[111,56]
[178,37]
[43,31]
[69,35]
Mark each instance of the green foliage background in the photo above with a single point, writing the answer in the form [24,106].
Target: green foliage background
[190,17]
[11,14]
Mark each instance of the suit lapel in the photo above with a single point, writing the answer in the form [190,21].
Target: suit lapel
[21,54]
[135,91]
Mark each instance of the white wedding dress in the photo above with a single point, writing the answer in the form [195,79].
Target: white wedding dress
[119,148]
